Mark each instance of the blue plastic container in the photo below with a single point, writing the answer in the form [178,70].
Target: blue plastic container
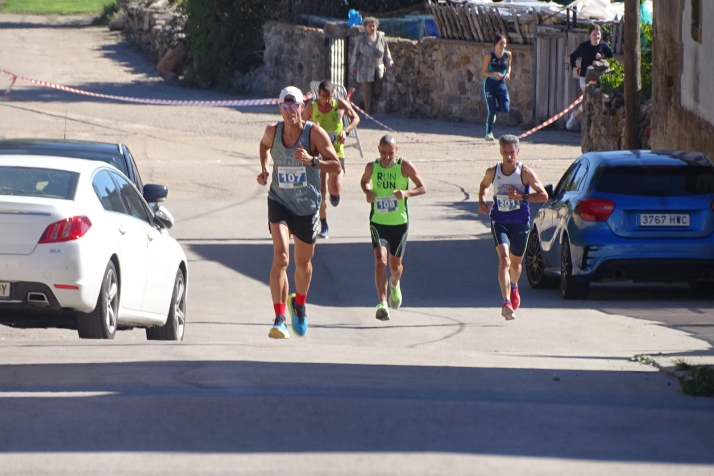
[354,18]
[430,28]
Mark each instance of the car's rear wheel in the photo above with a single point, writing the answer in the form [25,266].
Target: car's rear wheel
[535,266]
[101,323]
[569,287]
[176,320]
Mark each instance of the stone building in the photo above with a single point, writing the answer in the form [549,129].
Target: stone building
[682,72]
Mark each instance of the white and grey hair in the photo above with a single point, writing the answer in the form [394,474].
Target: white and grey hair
[509,139]
[370,20]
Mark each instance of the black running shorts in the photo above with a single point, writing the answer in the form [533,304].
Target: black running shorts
[304,228]
[514,235]
[392,237]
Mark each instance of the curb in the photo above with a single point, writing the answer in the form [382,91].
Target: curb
[679,375]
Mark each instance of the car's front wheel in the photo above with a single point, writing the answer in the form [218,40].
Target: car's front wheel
[569,287]
[535,266]
[101,323]
[176,320]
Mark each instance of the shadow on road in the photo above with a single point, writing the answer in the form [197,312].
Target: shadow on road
[460,273]
[260,407]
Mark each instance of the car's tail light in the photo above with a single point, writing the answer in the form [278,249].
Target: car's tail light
[66,230]
[713,206]
[595,209]
[67,286]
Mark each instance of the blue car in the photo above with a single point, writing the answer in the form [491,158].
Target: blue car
[642,216]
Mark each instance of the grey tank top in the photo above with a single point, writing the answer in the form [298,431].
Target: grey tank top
[295,186]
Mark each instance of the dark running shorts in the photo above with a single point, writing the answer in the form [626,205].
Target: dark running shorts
[304,228]
[514,235]
[392,237]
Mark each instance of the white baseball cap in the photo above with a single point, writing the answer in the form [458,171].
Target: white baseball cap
[291,91]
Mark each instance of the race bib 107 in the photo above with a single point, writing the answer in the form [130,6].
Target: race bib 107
[292,177]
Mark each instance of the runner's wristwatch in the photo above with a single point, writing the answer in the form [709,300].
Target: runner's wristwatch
[525,197]
[315,161]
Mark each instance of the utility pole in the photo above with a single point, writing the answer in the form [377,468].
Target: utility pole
[632,74]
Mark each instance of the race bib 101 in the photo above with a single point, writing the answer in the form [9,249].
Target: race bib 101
[505,204]
[386,204]
[292,177]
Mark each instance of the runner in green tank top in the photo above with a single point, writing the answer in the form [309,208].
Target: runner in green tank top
[329,113]
[386,184]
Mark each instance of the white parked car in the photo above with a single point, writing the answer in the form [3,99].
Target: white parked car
[81,248]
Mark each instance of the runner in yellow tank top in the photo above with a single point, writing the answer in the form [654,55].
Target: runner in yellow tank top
[328,113]
[386,184]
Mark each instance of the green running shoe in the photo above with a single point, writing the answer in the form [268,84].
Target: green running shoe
[382,312]
[395,296]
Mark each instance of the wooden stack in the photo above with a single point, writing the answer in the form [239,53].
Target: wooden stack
[461,20]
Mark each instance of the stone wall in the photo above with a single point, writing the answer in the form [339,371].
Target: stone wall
[154,25]
[442,79]
[294,55]
[433,77]
[673,127]
[603,121]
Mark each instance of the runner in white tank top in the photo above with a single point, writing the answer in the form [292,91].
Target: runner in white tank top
[510,216]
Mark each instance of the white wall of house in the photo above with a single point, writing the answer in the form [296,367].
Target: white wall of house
[698,63]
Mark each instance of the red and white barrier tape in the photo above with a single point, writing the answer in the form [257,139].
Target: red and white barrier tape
[161,102]
[12,83]
[244,102]
[384,125]
[535,129]
[375,120]
[552,119]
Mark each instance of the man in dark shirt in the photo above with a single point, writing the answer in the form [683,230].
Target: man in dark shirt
[588,52]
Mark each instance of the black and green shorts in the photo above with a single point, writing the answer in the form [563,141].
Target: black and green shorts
[392,237]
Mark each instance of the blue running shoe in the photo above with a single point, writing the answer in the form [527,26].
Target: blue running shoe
[324,230]
[279,329]
[334,200]
[298,320]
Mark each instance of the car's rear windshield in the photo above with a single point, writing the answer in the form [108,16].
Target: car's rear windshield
[657,181]
[114,159]
[34,182]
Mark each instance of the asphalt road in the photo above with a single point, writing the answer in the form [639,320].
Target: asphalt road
[445,387]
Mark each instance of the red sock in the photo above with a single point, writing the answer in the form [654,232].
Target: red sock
[300,299]
[279,309]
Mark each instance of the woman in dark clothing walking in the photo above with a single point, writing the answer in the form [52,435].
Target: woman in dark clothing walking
[496,69]
[588,52]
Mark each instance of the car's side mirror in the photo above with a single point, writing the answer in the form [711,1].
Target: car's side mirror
[155,193]
[164,217]
[549,190]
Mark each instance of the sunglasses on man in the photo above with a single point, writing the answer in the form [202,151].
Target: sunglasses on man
[290,106]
